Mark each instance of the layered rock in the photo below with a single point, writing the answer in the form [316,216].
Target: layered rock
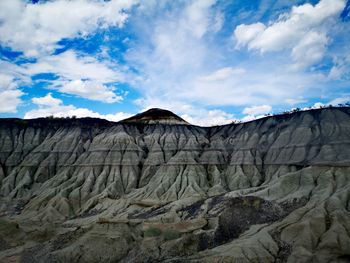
[274,189]
[156,116]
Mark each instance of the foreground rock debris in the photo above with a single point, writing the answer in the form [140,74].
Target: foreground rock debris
[156,189]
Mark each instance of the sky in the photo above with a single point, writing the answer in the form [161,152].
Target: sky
[209,61]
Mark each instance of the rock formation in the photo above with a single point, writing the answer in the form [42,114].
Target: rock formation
[154,188]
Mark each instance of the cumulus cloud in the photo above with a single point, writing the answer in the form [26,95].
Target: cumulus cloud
[76,74]
[10,100]
[83,76]
[255,112]
[50,106]
[47,100]
[90,90]
[35,29]
[6,82]
[179,59]
[247,33]
[304,31]
[10,95]
[317,105]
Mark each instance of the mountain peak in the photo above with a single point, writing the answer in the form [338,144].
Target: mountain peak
[156,116]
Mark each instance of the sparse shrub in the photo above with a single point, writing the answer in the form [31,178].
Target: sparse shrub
[236,122]
[246,202]
[170,234]
[152,232]
[256,203]
[252,203]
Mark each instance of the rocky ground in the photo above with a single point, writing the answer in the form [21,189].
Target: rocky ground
[153,190]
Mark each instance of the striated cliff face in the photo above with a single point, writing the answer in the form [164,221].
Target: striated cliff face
[154,188]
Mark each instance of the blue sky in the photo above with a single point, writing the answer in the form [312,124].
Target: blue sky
[209,61]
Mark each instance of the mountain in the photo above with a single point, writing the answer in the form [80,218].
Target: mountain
[152,189]
[156,116]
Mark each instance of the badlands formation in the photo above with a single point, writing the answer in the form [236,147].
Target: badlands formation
[154,188]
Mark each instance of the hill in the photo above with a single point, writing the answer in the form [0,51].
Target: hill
[155,188]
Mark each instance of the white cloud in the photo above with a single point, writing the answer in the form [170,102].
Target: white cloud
[303,30]
[90,90]
[47,100]
[309,50]
[5,81]
[10,95]
[222,74]
[341,69]
[341,100]
[14,74]
[36,28]
[69,65]
[79,75]
[182,65]
[196,17]
[83,76]
[267,84]
[337,72]
[334,102]
[218,22]
[176,39]
[209,118]
[251,117]
[50,106]
[295,101]
[317,105]
[246,33]
[257,110]
[9,100]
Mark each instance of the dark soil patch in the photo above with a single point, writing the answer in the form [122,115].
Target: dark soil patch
[191,211]
[236,215]
[150,213]
[284,249]
[66,239]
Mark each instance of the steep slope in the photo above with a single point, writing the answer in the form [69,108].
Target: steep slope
[274,189]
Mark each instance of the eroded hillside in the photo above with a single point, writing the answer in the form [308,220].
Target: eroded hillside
[271,190]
